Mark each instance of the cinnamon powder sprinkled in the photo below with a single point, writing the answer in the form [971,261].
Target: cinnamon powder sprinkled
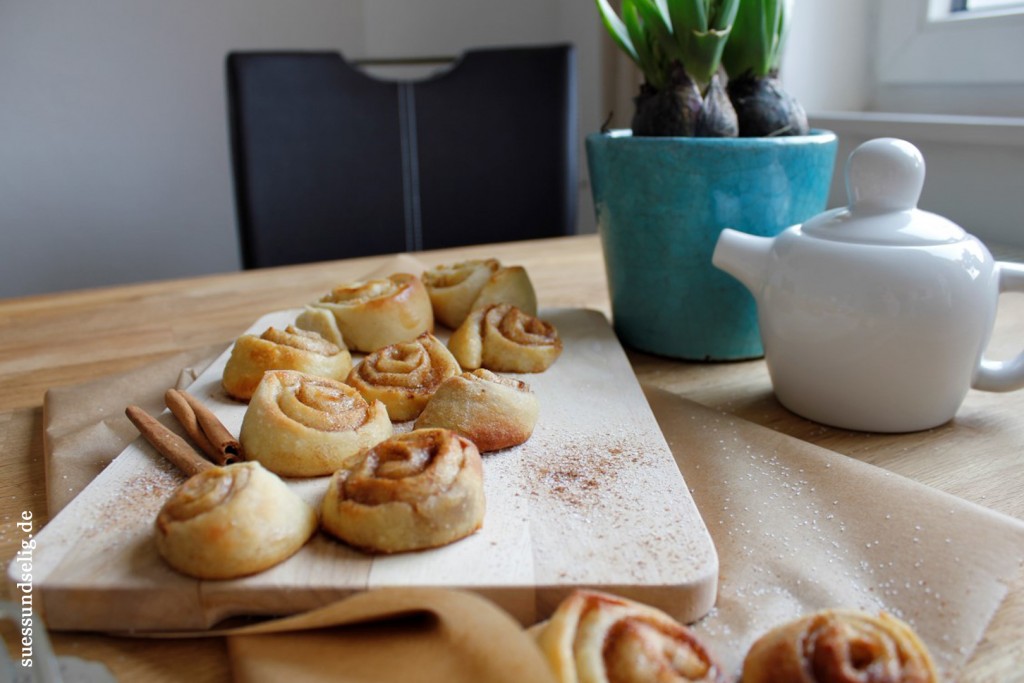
[142,497]
[581,471]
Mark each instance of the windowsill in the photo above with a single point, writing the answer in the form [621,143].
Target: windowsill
[1007,252]
[976,130]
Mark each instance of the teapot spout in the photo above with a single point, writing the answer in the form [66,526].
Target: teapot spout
[743,256]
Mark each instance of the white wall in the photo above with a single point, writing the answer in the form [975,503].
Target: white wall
[114,157]
[826,64]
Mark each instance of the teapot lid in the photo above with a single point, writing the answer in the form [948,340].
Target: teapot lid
[884,178]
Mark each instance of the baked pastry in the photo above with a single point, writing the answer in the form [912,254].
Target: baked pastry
[323,322]
[595,637]
[232,521]
[287,349]
[404,376]
[457,289]
[298,425]
[416,490]
[375,313]
[492,411]
[505,339]
[840,646]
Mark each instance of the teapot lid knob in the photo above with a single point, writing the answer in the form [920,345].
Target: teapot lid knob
[884,178]
[884,174]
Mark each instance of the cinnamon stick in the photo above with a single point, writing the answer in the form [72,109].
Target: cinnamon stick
[203,427]
[167,443]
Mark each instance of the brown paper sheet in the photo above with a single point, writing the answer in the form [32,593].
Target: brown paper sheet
[84,426]
[391,635]
[797,528]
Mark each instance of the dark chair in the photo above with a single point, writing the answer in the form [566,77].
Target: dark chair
[330,162]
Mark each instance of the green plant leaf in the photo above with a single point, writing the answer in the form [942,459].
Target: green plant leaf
[702,55]
[700,31]
[687,16]
[781,30]
[648,55]
[657,25]
[758,37]
[616,29]
[723,15]
[658,34]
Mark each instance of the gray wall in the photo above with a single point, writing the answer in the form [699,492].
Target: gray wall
[114,159]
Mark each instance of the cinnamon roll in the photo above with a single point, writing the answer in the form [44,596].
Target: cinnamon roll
[376,313]
[457,289]
[298,425]
[492,411]
[287,349]
[232,521]
[323,322]
[417,490]
[840,646]
[404,376]
[505,339]
[594,637]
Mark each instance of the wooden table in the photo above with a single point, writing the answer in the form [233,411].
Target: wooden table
[60,339]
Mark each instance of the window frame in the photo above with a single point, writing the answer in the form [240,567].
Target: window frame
[977,48]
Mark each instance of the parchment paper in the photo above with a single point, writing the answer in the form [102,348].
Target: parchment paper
[799,528]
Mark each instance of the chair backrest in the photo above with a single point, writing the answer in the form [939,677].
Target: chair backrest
[330,162]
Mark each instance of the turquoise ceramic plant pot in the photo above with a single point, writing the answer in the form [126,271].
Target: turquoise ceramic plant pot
[661,204]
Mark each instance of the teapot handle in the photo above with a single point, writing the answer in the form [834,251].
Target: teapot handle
[1003,375]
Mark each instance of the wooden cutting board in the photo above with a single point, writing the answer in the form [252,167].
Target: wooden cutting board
[594,498]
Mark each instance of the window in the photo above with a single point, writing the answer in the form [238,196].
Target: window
[932,58]
[975,5]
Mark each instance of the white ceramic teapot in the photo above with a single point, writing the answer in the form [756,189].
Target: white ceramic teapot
[875,316]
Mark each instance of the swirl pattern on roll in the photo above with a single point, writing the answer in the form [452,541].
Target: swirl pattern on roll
[505,339]
[421,489]
[492,411]
[840,646]
[276,349]
[594,637]
[232,521]
[299,425]
[404,376]
[457,289]
[372,314]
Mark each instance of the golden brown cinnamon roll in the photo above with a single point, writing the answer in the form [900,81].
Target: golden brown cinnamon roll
[417,490]
[840,646]
[594,637]
[404,376]
[376,313]
[232,521]
[492,411]
[457,289]
[505,339]
[287,349]
[299,425]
